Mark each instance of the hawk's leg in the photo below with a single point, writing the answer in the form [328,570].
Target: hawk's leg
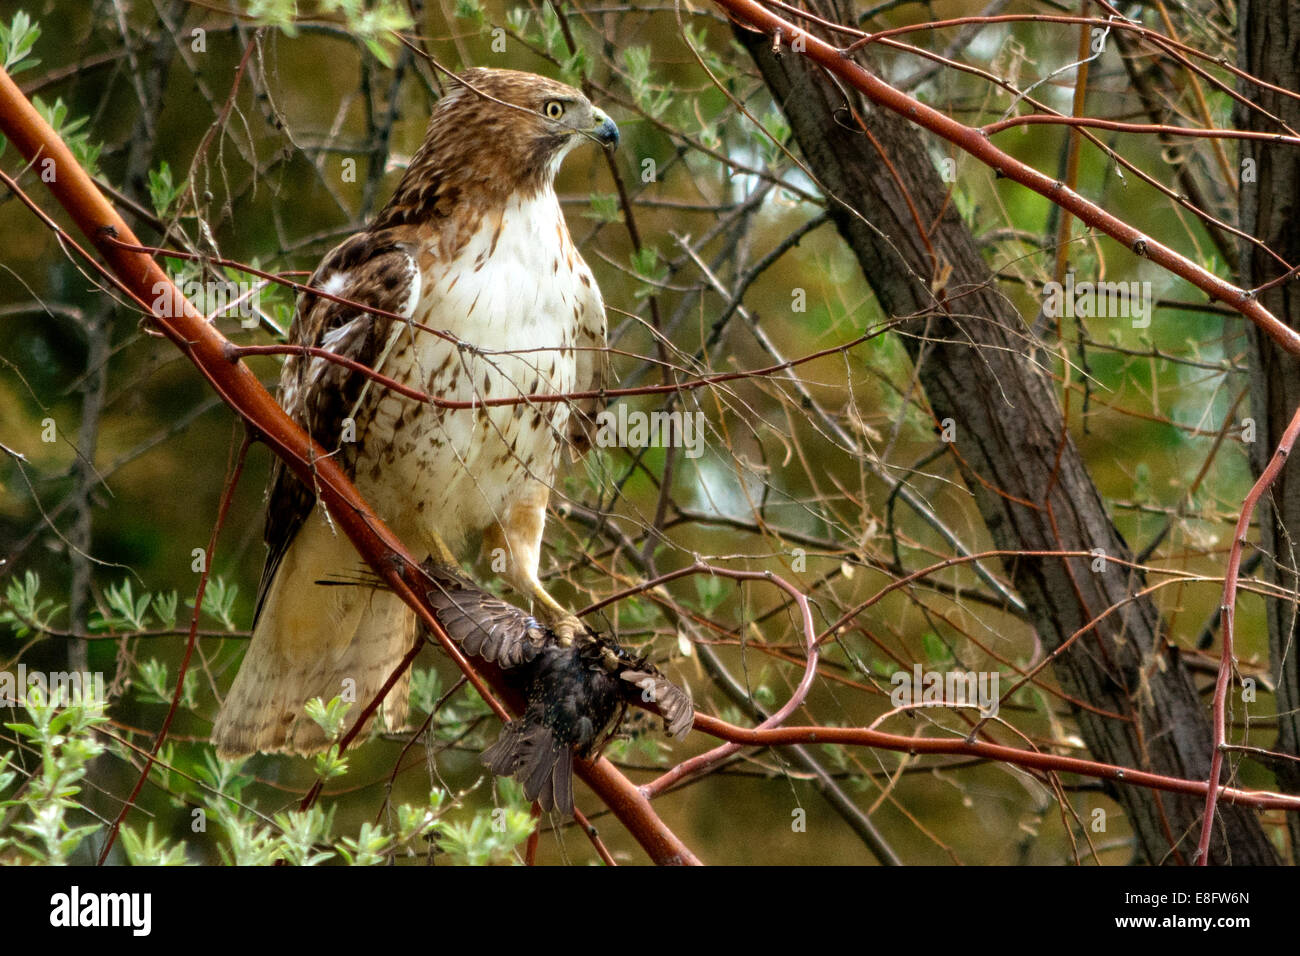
[438,550]
[518,538]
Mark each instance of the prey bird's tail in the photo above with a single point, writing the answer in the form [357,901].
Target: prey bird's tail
[531,752]
[314,639]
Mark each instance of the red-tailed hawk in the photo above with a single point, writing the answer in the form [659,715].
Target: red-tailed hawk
[473,242]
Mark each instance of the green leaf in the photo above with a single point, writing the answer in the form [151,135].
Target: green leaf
[331,717]
[219,601]
[426,688]
[16,42]
[605,208]
[368,848]
[645,263]
[128,611]
[469,10]
[652,98]
[380,52]
[162,190]
[24,610]
[164,605]
[711,590]
[302,831]
[78,141]
[150,850]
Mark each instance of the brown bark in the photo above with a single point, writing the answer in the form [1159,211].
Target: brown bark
[1268,46]
[975,368]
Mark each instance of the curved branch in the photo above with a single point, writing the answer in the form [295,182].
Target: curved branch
[1229,617]
[865,737]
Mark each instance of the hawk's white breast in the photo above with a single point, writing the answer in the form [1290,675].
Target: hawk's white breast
[515,295]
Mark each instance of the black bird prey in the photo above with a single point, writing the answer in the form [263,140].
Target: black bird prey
[577,689]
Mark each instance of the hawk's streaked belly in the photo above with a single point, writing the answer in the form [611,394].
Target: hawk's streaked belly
[514,292]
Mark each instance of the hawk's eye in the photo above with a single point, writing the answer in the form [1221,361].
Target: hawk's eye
[553,109]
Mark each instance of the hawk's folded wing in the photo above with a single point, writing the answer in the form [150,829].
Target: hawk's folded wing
[379,270]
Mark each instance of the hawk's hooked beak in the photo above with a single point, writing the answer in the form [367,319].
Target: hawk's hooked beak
[605,132]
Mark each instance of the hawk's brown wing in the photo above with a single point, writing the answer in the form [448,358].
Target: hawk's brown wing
[375,268]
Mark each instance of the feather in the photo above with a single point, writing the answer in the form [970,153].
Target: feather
[502,758]
[674,702]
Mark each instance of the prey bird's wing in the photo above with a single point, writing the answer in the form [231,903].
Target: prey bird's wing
[576,691]
[675,703]
[485,626]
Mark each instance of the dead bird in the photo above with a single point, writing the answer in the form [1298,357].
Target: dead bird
[576,691]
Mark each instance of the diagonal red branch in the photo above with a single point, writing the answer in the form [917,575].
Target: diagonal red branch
[239,388]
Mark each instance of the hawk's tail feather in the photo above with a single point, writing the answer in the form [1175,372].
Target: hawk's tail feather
[313,641]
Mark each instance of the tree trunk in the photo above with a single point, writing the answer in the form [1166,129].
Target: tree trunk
[975,368]
[1268,46]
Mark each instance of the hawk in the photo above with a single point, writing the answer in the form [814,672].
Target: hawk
[474,255]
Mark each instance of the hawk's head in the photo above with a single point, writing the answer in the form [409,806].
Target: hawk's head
[496,133]
[539,119]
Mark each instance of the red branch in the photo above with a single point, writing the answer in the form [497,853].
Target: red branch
[232,481]
[1228,659]
[864,737]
